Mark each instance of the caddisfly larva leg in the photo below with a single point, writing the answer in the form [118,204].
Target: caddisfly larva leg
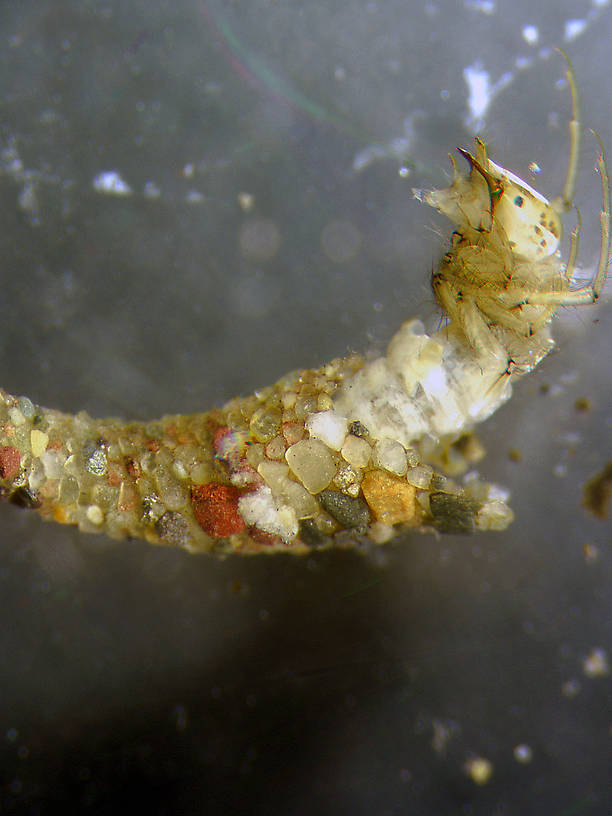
[604,219]
[573,250]
[563,203]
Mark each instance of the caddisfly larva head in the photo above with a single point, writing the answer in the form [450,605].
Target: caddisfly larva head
[530,222]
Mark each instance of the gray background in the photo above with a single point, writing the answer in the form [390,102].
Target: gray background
[141,677]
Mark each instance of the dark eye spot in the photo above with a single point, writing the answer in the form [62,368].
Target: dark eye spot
[519,201]
[538,231]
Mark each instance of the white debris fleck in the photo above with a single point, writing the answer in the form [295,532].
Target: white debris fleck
[28,200]
[380,533]
[479,85]
[443,733]
[570,688]
[328,426]
[523,753]
[151,190]
[483,6]
[479,769]
[399,147]
[246,201]
[111,183]
[95,514]
[522,63]
[531,34]
[194,197]
[596,664]
[573,29]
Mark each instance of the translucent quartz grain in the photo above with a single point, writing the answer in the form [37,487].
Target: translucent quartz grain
[16,417]
[53,463]
[276,476]
[420,476]
[171,492]
[275,449]
[265,424]
[356,451]
[313,464]
[494,515]
[391,456]
[69,490]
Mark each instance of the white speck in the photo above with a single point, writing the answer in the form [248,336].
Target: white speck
[484,6]
[531,34]
[570,688]
[366,156]
[194,197]
[246,201]
[95,514]
[596,664]
[523,753]
[479,85]
[600,3]
[398,147]
[188,170]
[151,190]
[573,29]
[479,769]
[28,201]
[111,183]
[497,493]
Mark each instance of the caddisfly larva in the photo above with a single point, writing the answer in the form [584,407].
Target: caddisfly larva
[503,278]
[349,452]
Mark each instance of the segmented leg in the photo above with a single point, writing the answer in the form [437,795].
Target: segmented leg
[563,203]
